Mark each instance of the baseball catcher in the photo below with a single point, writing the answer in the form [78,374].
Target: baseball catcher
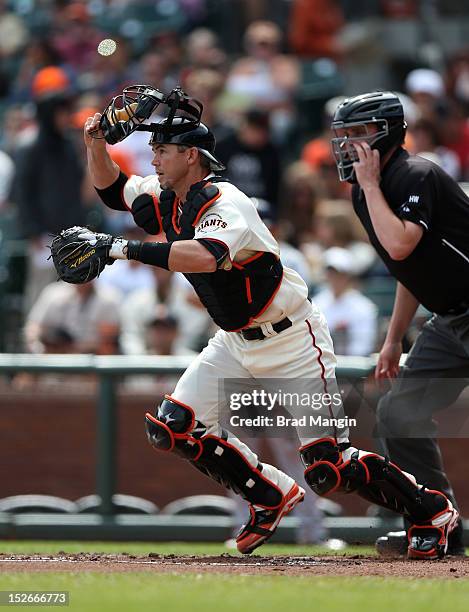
[268,327]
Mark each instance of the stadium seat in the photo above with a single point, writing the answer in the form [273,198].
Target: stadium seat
[123,504]
[21,504]
[216,505]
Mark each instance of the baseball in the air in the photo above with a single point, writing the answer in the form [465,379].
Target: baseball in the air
[107,46]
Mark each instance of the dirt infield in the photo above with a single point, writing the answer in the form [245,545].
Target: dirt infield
[346,565]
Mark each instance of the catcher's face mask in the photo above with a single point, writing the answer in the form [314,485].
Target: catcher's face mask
[126,112]
[130,110]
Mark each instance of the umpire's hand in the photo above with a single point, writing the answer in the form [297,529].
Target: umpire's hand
[367,168]
[388,361]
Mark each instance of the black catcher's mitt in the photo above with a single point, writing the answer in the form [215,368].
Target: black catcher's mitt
[80,255]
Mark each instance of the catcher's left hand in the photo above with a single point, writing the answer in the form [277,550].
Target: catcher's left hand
[80,255]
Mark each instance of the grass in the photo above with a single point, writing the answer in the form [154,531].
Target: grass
[92,592]
[142,591]
[165,548]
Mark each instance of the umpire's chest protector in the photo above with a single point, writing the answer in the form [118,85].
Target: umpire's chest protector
[232,297]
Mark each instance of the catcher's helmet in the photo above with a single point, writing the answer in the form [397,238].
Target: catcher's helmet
[186,132]
[382,109]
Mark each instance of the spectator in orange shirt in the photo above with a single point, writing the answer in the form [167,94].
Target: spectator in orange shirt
[314,27]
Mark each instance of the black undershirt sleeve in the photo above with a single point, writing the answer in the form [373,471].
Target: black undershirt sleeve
[217,249]
[113,196]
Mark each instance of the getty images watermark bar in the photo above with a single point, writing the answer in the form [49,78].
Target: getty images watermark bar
[316,408]
[283,407]
[34,598]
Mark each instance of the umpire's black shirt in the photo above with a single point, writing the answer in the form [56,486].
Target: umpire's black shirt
[417,190]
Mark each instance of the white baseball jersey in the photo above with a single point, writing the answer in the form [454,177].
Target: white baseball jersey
[233,220]
[302,352]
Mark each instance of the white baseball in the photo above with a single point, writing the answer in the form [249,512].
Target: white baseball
[107,46]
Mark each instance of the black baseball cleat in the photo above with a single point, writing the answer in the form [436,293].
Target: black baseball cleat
[396,543]
[263,523]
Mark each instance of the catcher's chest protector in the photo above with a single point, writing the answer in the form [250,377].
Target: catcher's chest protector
[232,297]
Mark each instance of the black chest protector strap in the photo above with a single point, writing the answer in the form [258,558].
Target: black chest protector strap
[179,220]
[232,297]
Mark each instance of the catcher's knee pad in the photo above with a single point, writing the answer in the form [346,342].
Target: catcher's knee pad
[170,429]
[326,472]
[223,462]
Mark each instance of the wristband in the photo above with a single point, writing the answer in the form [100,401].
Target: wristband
[153,253]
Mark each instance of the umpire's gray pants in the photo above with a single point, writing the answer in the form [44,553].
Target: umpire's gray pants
[405,413]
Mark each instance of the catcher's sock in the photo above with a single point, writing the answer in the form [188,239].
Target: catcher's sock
[277,477]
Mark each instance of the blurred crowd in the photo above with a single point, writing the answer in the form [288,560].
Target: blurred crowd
[268,96]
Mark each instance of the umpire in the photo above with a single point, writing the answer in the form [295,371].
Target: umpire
[417,219]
